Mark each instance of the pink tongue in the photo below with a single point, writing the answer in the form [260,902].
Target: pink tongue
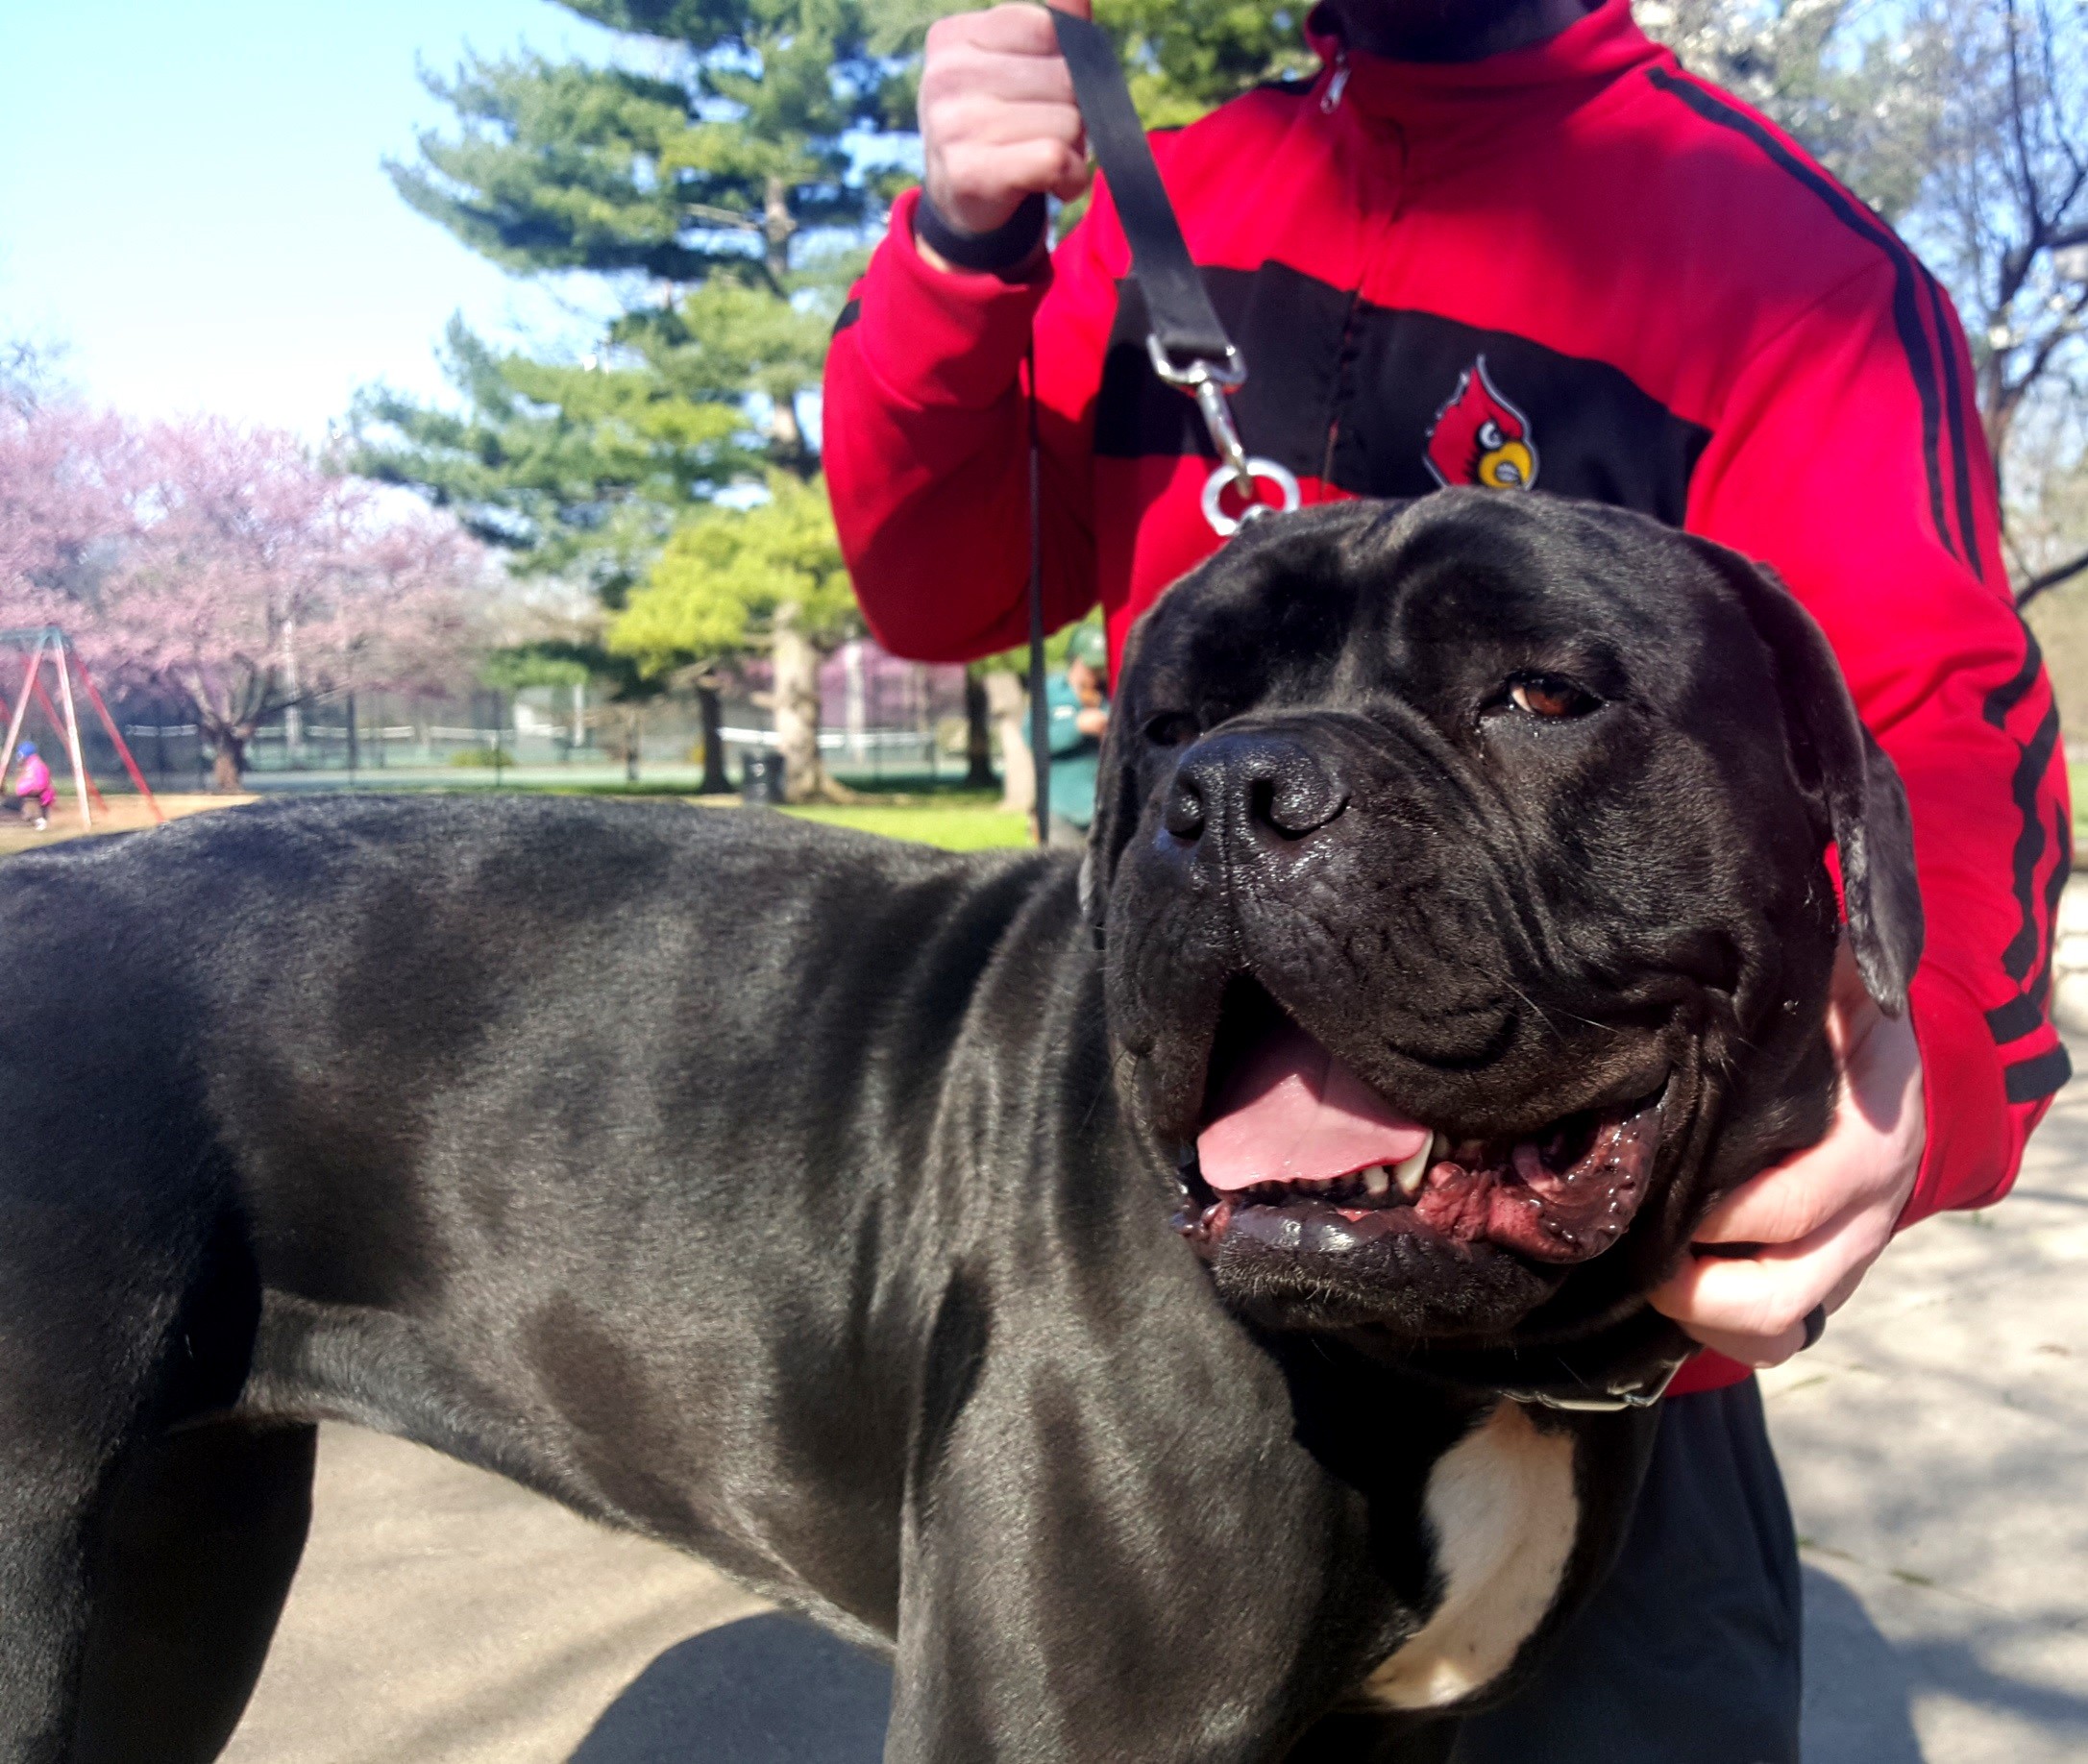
[1294,1112]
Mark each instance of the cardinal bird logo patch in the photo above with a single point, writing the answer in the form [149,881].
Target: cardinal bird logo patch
[1479,438]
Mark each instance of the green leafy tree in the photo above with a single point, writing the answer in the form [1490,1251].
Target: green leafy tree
[1184,58]
[771,578]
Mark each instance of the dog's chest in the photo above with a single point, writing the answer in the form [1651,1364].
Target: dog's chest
[1502,1514]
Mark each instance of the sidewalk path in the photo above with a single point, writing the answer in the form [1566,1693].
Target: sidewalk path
[443,1616]
[1936,1443]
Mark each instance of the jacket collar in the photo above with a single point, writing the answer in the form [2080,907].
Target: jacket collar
[1426,99]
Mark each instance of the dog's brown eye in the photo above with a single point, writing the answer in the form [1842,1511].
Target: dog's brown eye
[1171,730]
[1548,694]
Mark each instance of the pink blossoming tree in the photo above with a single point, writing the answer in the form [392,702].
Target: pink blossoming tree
[222,566]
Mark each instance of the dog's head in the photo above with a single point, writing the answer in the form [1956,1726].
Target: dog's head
[1460,866]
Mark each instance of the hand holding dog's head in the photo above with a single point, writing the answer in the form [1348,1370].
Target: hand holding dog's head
[1509,813]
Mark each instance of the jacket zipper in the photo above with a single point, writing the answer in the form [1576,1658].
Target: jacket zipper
[1330,100]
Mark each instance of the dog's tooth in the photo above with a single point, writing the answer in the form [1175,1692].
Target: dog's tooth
[1412,1172]
[1377,1181]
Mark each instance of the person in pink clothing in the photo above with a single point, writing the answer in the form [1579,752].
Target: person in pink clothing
[32,785]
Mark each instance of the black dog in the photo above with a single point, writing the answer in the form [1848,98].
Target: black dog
[1455,929]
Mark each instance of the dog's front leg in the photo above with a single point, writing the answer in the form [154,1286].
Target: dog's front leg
[980,1680]
[1099,1566]
[1016,1655]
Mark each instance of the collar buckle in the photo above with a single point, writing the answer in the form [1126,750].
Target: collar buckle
[1643,1395]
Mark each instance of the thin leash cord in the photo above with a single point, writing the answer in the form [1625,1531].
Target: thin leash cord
[1040,717]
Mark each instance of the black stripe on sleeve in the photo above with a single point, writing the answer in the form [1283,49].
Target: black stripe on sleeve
[1968,523]
[2020,1016]
[2024,1014]
[2062,841]
[2012,690]
[850,311]
[2012,1021]
[2021,955]
[2033,1079]
[1906,315]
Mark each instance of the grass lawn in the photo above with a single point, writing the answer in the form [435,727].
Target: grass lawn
[958,820]
[955,824]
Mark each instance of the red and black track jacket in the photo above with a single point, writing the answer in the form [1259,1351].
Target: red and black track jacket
[1656,299]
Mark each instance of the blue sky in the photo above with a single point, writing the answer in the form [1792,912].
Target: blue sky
[192,198]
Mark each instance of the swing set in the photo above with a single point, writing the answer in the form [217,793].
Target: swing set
[50,643]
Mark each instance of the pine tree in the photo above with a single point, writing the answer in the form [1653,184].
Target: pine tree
[720,201]
[1182,58]
[721,193]
[576,470]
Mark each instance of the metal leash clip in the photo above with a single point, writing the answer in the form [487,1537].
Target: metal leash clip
[1187,341]
[1208,382]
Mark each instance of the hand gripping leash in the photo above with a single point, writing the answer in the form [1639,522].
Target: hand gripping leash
[1185,342]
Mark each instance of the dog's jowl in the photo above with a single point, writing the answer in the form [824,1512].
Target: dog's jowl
[1137,1295]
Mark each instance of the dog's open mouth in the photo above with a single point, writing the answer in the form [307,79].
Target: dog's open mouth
[1298,1154]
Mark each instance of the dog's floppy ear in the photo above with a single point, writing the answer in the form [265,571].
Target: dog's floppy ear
[1861,802]
[1116,796]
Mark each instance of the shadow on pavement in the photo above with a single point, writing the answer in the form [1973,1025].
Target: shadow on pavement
[766,1690]
[773,1689]
[1953,1669]
[1860,1687]
[1857,1684]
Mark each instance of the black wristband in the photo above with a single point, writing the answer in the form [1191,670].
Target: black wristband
[1008,245]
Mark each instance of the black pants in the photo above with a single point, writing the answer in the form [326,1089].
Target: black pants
[1689,1652]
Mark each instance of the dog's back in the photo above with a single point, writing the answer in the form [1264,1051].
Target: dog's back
[386,1110]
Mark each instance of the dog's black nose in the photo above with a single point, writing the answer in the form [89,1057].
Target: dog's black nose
[1252,784]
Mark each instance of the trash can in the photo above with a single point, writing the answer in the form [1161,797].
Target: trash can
[764,779]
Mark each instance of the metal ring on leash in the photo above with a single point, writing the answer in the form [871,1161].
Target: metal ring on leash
[1225,526]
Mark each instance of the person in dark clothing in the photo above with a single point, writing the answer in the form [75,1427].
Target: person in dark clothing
[1077,707]
[1513,243]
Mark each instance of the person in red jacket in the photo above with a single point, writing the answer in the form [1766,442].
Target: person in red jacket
[1513,243]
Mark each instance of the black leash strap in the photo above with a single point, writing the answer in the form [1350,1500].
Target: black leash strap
[1039,714]
[1186,341]
[1186,331]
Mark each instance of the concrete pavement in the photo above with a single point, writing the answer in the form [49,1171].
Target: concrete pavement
[1935,1444]
[442,1616]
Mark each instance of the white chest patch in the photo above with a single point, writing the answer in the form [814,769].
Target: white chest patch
[1502,1514]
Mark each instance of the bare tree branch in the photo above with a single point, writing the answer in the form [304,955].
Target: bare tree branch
[724,217]
[2027,191]
[2050,579]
